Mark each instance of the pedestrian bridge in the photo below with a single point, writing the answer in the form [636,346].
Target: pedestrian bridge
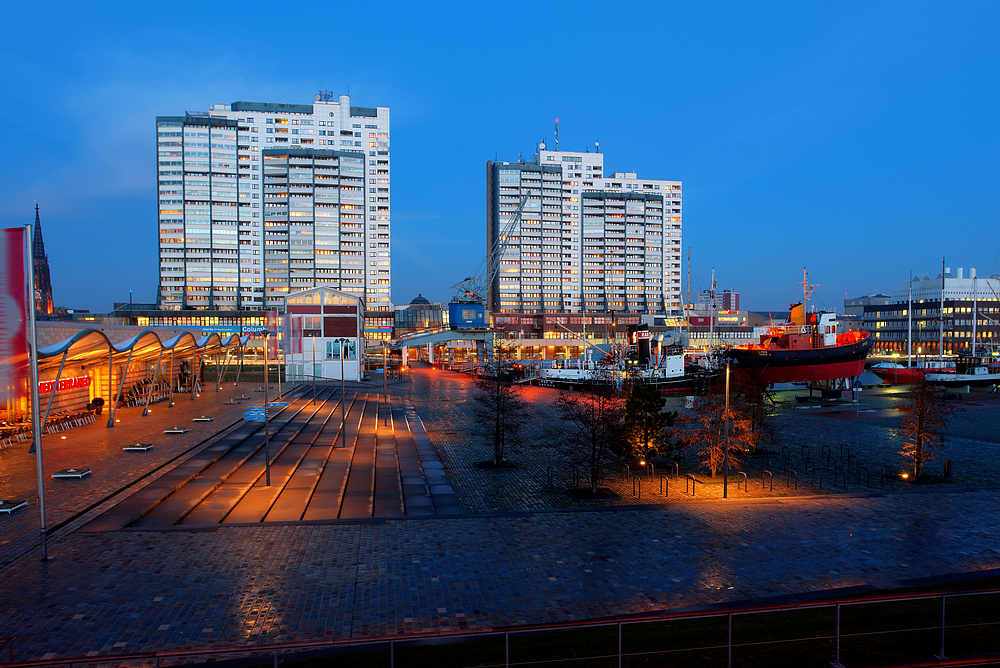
[482,337]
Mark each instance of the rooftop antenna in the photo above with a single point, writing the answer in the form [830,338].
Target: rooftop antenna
[557,134]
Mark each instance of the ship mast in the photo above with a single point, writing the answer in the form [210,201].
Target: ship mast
[807,291]
[711,319]
[941,317]
[909,322]
[975,307]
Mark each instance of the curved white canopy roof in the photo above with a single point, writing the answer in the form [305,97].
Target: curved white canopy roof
[94,346]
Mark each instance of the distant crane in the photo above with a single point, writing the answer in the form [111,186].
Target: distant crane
[473,289]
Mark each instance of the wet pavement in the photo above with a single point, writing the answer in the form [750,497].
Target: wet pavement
[521,551]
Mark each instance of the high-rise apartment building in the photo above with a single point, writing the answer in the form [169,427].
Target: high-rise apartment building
[585,241]
[259,199]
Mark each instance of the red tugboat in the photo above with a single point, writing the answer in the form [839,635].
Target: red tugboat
[806,348]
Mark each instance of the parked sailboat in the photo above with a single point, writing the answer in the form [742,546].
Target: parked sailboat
[971,370]
[915,370]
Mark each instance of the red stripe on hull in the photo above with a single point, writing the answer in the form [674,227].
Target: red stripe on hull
[810,372]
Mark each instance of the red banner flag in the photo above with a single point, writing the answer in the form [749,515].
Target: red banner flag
[13,316]
[272,338]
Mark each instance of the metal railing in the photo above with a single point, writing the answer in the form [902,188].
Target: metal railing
[824,643]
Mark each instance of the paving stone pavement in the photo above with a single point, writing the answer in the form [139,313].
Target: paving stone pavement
[526,553]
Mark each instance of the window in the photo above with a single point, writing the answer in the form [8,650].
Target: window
[333,350]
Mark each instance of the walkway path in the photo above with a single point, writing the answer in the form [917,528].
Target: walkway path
[521,561]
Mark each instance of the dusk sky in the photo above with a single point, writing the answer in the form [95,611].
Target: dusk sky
[858,139]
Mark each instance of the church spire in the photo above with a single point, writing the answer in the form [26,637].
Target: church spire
[40,266]
[38,252]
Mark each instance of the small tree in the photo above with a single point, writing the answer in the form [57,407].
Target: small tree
[499,407]
[754,399]
[647,427]
[594,426]
[924,419]
[706,429]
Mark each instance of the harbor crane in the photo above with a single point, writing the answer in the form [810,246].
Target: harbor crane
[473,290]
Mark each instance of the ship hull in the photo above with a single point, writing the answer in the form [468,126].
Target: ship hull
[814,364]
[904,375]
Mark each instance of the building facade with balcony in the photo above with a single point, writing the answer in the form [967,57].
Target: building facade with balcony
[257,200]
[585,241]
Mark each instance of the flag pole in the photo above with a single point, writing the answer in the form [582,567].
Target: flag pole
[36,428]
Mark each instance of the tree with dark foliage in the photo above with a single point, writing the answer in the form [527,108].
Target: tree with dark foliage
[648,428]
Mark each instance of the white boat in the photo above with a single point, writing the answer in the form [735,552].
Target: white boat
[980,373]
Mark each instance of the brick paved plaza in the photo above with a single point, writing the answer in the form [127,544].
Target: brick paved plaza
[489,548]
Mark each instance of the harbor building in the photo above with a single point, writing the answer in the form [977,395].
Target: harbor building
[257,200]
[971,305]
[583,241]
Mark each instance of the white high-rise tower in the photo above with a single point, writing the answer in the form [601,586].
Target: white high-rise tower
[585,241]
[259,199]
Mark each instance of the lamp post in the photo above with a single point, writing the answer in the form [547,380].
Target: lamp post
[343,405]
[385,374]
[267,436]
[725,456]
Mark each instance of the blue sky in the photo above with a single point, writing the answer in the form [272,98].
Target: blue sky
[857,139]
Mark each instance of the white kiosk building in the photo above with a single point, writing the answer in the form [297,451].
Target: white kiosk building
[324,335]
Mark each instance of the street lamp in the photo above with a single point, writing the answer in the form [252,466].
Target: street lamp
[385,374]
[267,436]
[725,457]
[343,404]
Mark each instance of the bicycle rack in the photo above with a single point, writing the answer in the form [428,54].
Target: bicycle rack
[843,475]
[884,473]
[636,481]
[651,471]
[677,470]
[868,480]
[664,485]
[627,472]
[764,477]
[856,463]
[746,481]
[804,453]
[824,451]
[693,481]
[842,446]
[794,475]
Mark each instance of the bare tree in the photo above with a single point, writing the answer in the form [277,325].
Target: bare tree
[498,405]
[924,419]
[705,429]
[594,425]
[754,399]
